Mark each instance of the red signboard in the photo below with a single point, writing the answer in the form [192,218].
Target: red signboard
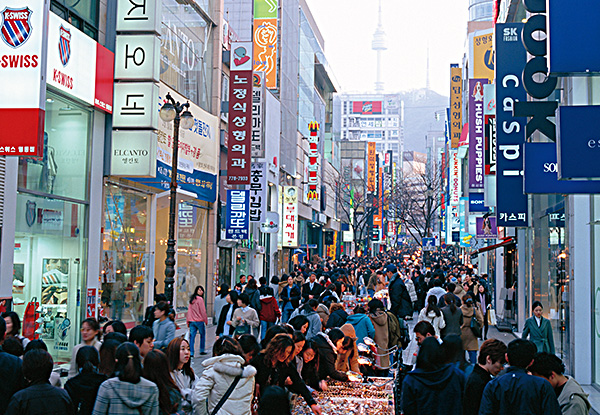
[366,107]
[240,128]
[91,303]
[313,161]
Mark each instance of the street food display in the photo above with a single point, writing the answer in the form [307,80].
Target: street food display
[372,397]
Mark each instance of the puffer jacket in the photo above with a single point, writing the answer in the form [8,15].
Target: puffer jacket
[412,292]
[380,322]
[436,321]
[218,375]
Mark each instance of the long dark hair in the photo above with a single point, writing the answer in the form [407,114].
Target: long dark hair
[223,290]
[276,346]
[87,359]
[432,305]
[108,353]
[16,321]
[313,364]
[93,323]
[173,353]
[129,365]
[431,356]
[449,300]
[156,369]
[195,294]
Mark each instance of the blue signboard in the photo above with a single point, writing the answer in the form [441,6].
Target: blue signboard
[476,203]
[511,57]
[578,142]
[573,36]
[238,214]
[541,168]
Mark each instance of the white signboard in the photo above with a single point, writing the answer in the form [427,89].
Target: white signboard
[133,153]
[290,216]
[138,15]
[455,178]
[135,105]
[271,223]
[241,56]
[258,114]
[137,57]
[258,191]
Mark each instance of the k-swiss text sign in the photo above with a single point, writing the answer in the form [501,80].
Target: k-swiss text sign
[239,146]
[23,26]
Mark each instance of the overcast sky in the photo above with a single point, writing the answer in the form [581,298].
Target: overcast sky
[348,27]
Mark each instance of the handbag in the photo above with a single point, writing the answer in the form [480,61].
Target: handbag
[475,327]
[227,395]
[492,320]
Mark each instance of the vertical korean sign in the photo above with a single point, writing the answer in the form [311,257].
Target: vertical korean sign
[258,114]
[258,192]
[265,40]
[476,133]
[371,166]
[238,203]
[22,76]
[483,55]
[239,146]
[313,161]
[489,113]
[512,208]
[455,105]
[290,216]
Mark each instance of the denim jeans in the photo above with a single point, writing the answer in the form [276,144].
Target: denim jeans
[472,356]
[264,326]
[285,315]
[197,327]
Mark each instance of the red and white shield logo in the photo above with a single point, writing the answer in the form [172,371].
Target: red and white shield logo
[16,27]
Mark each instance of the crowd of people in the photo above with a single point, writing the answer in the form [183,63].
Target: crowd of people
[296,334]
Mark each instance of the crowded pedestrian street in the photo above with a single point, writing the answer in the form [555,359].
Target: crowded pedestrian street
[294,207]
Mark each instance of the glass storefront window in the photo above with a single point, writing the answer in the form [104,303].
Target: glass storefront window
[62,169]
[50,271]
[125,255]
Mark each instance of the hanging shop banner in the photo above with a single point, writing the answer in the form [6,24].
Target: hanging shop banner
[371,166]
[313,162]
[265,40]
[271,223]
[258,115]
[22,76]
[290,217]
[258,192]
[483,55]
[455,105]
[464,236]
[455,178]
[486,228]
[79,66]
[239,146]
[477,203]
[512,207]
[476,133]
[541,167]
[578,142]
[489,118]
[237,219]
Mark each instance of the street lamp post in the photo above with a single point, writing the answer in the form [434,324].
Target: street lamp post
[172,111]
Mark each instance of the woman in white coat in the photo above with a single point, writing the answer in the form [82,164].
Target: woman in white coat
[433,314]
[219,373]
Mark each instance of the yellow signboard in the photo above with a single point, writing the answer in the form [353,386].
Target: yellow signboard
[483,56]
[371,166]
[455,105]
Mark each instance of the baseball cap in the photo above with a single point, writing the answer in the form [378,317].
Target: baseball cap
[391,268]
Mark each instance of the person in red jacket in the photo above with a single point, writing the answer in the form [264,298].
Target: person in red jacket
[269,312]
[197,319]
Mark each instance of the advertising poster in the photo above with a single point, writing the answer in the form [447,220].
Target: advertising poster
[476,133]
[55,280]
[455,105]
[511,202]
[486,228]
[358,169]
[109,263]
[265,40]
[237,219]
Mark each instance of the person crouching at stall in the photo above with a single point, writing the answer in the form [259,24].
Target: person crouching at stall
[273,370]
[328,346]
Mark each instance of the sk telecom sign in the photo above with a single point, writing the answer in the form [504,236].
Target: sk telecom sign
[455,105]
[313,161]
[23,30]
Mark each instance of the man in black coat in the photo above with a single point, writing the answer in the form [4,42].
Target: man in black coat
[400,298]
[492,356]
[11,375]
[517,392]
[311,289]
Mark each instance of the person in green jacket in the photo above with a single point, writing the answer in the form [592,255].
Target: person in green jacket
[539,330]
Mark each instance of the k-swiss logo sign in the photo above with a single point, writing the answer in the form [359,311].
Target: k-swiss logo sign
[16,27]
[64,45]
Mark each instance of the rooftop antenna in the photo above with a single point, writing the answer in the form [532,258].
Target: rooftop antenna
[378,45]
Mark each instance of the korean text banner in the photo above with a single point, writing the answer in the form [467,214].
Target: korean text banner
[237,218]
[258,192]
[476,133]
[455,106]
[371,166]
[290,216]
[512,207]
[258,114]
[483,55]
[239,146]
[486,228]
[265,40]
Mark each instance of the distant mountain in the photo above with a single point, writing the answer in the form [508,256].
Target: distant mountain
[420,107]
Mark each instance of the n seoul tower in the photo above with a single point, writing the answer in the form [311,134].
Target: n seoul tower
[378,45]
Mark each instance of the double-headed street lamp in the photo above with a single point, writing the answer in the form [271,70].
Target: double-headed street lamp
[172,111]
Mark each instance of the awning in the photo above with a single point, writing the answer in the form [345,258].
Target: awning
[227,243]
[505,242]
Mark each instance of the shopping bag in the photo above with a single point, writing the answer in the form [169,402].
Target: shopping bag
[492,321]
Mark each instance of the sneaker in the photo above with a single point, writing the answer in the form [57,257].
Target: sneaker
[203,353]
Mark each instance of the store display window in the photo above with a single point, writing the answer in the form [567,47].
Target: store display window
[50,271]
[125,255]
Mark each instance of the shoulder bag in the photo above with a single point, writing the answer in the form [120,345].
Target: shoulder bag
[227,395]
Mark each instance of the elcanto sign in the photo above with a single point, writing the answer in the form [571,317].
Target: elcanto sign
[22,66]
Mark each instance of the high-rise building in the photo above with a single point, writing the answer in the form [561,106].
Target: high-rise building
[481,10]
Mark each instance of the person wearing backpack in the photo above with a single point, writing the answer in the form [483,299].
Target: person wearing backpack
[470,330]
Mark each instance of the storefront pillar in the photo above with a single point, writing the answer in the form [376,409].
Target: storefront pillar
[522,274]
[7,252]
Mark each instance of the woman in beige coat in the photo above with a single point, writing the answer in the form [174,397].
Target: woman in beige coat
[470,342]
[380,321]
[348,360]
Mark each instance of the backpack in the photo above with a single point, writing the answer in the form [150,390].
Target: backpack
[398,334]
